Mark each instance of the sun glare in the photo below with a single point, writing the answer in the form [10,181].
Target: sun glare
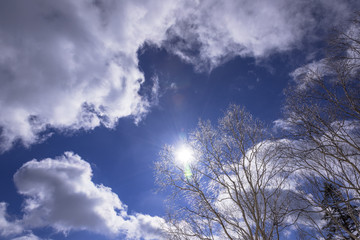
[184,155]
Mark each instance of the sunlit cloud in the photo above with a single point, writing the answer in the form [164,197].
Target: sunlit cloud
[59,193]
[74,65]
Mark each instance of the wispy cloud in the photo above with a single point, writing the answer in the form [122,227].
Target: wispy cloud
[8,227]
[211,32]
[29,236]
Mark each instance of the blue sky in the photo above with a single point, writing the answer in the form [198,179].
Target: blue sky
[96,88]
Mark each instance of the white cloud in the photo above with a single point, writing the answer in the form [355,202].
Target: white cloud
[282,125]
[305,76]
[29,236]
[59,193]
[155,90]
[140,226]
[13,227]
[211,32]
[73,64]
[308,76]
[8,227]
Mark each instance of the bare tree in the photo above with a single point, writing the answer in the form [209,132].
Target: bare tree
[236,186]
[323,116]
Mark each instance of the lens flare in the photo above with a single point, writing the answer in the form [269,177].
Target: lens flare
[184,155]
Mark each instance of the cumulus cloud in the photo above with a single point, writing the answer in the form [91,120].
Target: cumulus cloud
[59,193]
[143,226]
[73,64]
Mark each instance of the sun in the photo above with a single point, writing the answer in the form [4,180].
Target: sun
[184,155]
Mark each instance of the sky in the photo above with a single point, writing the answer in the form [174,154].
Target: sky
[91,90]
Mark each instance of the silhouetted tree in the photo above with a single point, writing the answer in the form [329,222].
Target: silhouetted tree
[339,215]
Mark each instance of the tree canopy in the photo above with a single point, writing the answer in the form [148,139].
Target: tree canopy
[242,183]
